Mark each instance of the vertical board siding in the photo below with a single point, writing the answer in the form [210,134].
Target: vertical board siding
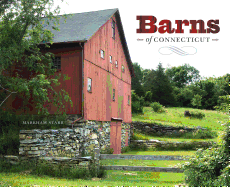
[71,67]
[99,104]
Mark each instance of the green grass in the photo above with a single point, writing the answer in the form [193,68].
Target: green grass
[114,178]
[175,117]
[171,153]
[152,163]
[171,139]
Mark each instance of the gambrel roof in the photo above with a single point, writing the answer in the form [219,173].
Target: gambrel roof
[80,27]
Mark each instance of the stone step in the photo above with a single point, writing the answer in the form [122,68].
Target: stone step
[143,157]
[144,168]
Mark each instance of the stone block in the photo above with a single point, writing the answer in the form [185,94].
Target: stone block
[22,136]
[27,148]
[68,148]
[34,148]
[34,152]
[28,141]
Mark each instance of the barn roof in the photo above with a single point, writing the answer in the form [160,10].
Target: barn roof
[80,27]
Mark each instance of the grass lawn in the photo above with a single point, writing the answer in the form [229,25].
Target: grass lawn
[172,139]
[175,117]
[114,178]
[170,153]
[152,163]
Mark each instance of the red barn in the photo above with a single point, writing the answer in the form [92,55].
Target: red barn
[91,50]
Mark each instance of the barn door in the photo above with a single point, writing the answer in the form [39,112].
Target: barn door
[115,137]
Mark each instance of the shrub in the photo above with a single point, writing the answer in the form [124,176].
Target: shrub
[138,136]
[43,167]
[134,146]
[157,107]
[192,145]
[197,114]
[6,166]
[107,150]
[137,103]
[147,103]
[210,167]
[125,149]
[11,124]
[204,134]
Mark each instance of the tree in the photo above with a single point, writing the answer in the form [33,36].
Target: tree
[137,103]
[183,75]
[21,32]
[137,80]
[158,83]
[196,101]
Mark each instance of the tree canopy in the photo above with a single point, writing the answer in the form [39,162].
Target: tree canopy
[24,69]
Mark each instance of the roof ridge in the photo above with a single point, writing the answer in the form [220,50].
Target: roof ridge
[87,12]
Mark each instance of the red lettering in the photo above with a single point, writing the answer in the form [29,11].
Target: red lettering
[142,28]
[194,24]
[165,28]
[213,26]
[179,25]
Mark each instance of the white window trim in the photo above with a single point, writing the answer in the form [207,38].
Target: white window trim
[89,85]
[102,53]
[116,64]
[110,59]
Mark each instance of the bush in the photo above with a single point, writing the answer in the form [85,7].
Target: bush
[64,171]
[11,124]
[54,170]
[192,145]
[204,134]
[125,149]
[6,166]
[138,136]
[107,150]
[134,146]
[157,107]
[137,103]
[210,167]
[197,114]
[147,103]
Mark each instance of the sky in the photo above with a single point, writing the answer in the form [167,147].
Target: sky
[210,58]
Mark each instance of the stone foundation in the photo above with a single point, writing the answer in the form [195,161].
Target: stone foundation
[80,139]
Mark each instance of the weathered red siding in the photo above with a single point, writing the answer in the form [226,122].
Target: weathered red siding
[71,66]
[115,137]
[99,104]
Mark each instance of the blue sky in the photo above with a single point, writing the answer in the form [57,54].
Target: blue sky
[211,58]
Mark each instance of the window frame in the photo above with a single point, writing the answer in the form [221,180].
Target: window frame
[56,63]
[116,64]
[110,59]
[123,68]
[113,94]
[113,28]
[102,54]
[89,79]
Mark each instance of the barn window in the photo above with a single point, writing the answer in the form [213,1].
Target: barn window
[116,63]
[110,59]
[102,54]
[89,86]
[123,68]
[128,99]
[113,94]
[56,62]
[113,29]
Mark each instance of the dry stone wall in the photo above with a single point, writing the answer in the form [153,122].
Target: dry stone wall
[79,140]
[154,128]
